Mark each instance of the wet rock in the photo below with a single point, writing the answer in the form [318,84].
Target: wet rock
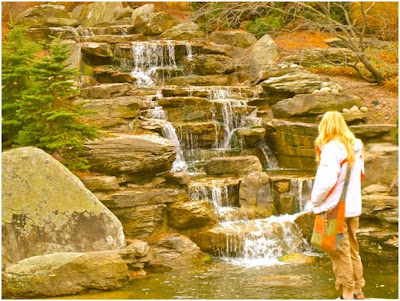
[293,143]
[191,214]
[251,136]
[108,75]
[46,15]
[142,221]
[281,185]
[307,107]
[382,157]
[305,222]
[155,23]
[101,183]
[49,209]
[183,31]
[135,157]
[142,196]
[375,189]
[285,281]
[96,13]
[381,207]
[174,251]
[114,39]
[205,133]
[111,113]
[233,165]
[255,195]
[142,10]
[297,258]
[199,80]
[64,274]
[48,33]
[299,82]
[235,38]
[205,64]
[105,91]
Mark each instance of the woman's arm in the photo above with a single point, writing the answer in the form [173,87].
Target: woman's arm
[327,173]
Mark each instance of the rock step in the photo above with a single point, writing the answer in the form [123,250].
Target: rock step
[113,39]
[109,30]
[207,91]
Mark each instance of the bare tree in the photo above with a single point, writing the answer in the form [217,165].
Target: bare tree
[352,33]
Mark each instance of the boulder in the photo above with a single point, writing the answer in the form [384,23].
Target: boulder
[381,163]
[47,209]
[191,214]
[108,75]
[96,13]
[124,12]
[307,107]
[85,81]
[119,30]
[183,31]
[250,136]
[142,196]
[46,15]
[299,82]
[374,133]
[375,189]
[97,53]
[233,165]
[133,157]
[105,91]
[235,38]
[174,251]
[155,23]
[293,143]
[318,56]
[200,80]
[101,183]
[112,113]
[142,10]
[255,195]
[384,208]
[48,33]
[260,56]
[65,273]
[204,64]
[75,56]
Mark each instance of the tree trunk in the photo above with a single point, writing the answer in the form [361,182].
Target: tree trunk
[375,73]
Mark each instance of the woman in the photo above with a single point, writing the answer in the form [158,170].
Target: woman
[337,150]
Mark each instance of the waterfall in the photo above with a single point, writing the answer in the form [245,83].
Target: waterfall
[189,51]
[301,189]
[269,155]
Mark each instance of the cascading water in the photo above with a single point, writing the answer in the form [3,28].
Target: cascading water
[302,188]
[269,155]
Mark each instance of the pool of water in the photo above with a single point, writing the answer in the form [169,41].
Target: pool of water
[222,279]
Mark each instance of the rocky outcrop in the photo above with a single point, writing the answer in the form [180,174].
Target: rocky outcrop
[142,10]
[107,75]
[235,38]
[97,53]
[131,157]
[307,107]
[255,195]
[155,23]
[204,134]
[191,214]
[200,80]
[101,183]
[75,56]
[47,209]
[233,165]
[112,113]
[174,251]
[97,13]
[385,208]
[251,136]
[64,274]
[205,64]
[115,39]
[183,31]
[48,33]
[105,91]
[299,82]
[46,15]
[317,56]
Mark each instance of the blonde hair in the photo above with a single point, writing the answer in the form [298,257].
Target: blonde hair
[333,126]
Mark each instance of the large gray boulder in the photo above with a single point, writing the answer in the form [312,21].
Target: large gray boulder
[155,23]
[131,157]
[235,38]
[255,195]
[64,273]
[183,31]
[47,209]
[307,107]
[233,165]
[142,10]
[96,13]
[46,15]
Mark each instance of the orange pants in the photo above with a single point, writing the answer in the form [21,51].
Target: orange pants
[347,265]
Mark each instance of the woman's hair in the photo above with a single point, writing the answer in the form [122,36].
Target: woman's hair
[333,126]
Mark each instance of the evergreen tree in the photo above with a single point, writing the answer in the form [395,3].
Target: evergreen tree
[51,119]
[17,57]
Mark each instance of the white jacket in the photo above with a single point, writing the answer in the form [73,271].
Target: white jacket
[331,173]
